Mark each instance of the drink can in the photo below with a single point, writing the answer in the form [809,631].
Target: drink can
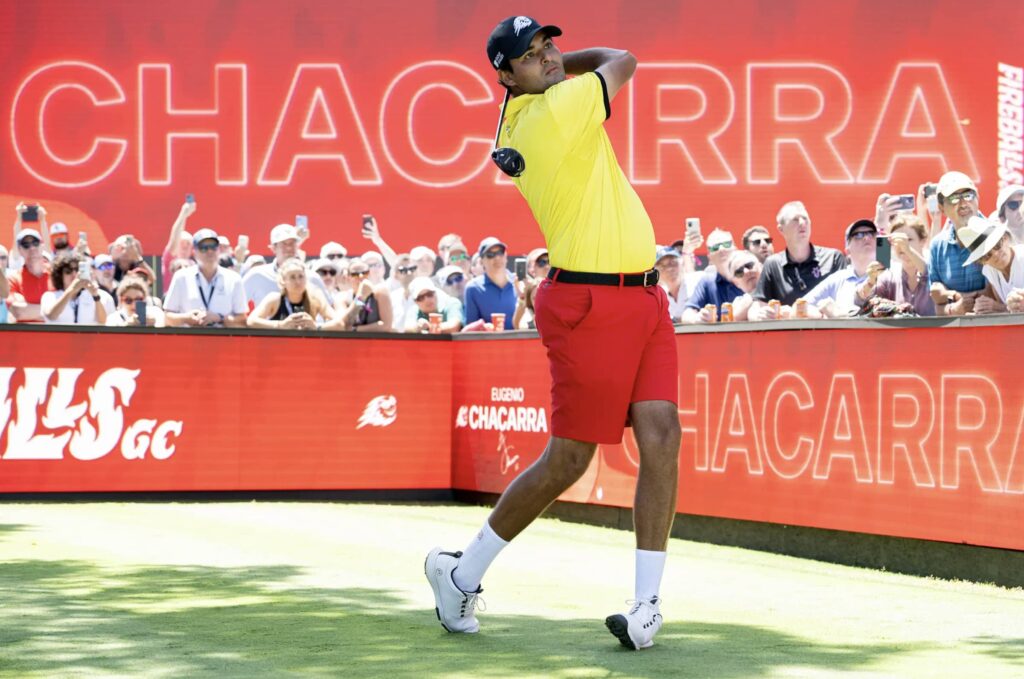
[712,311]
[498,320]
[776,306]
[435,323]
[726,312]
[800,308]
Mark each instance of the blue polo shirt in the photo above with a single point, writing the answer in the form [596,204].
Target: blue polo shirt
[712,289]
[947,263]
[484,298]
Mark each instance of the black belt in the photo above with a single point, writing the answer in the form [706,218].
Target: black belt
[645,279]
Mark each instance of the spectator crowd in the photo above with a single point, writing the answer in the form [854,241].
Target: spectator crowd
[930,253]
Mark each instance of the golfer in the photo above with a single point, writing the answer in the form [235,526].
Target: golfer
[601,316]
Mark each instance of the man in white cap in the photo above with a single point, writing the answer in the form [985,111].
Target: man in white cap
[954,281]
[59,237]
[991,245]
[206,295]
[430,300]
[261,280]
[1008,210]
[333,251]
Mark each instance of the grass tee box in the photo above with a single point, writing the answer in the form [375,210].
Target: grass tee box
[337,590]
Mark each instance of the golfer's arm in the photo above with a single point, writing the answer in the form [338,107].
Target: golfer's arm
[615,66]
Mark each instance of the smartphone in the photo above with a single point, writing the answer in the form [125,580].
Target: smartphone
[84,269]
[521,269]
[906,202]
[140,312]
[693,226]
[243,241]
[367,223]
[932,202]
[31,213]
[883,251]
[189,198]
[930,189]
[83,238]
[302,222]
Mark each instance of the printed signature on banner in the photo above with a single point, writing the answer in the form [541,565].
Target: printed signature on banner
[381,411]
[89,429]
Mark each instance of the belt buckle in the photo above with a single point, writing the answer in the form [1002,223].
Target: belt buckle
[654,282]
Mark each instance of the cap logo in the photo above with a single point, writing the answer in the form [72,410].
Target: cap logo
[519,23]
[498,58]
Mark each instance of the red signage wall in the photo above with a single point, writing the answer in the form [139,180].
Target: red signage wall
[111,412]
[915,433]
[266,109]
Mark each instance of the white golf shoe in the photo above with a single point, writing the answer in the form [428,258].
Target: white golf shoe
[637,628]
[455,608]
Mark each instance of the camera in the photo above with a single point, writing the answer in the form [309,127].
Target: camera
[30,213]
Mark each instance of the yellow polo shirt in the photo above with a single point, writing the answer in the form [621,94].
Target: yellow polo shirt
[591,217]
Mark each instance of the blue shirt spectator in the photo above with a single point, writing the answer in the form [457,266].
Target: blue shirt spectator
[947,263]
[493,292]
[712,289]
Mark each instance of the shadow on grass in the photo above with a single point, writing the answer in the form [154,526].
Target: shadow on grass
[66,618]
[1010,650]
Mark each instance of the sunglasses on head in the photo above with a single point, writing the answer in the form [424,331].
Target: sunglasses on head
[759,241]
[744,268]
[963,195]
[207,247]
[497,252]
[30,243]
[458,257]
[725,245]
[406,269]
[455,279]
[543,261]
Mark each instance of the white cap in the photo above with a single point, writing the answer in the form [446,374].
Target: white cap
[421,251]
[951,182]
[283,232]
[58,227]
[420,285]
[1004,195]
[333,248]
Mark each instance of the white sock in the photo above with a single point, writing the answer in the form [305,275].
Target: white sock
[649,568]
[477,558]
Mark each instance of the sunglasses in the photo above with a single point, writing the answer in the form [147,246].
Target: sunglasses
[757,242]
[963,195]
[107,266]
[726,245]
[207,247]
[744,268]
[862,235]
[336,256]
[132,300]
[424,296]
[30,243]
[375,265]
[358,274]
[543,261]
[497,252]
[406,269]
[458,258]
[1012,204]
[326,272]
[455,279]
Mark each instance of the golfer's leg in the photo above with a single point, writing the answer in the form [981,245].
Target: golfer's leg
[656,426]
[561,465]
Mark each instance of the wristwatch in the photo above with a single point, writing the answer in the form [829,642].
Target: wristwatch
[95,298]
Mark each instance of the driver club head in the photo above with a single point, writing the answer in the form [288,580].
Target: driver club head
[509,161]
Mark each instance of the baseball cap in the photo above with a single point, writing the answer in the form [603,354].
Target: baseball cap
[421,285]
[666,251]
[421,251]
[283,232]
[858,223]
[447,271]
[511,38]
[25,233]
[205,234]
[488,243]
[223,240]
[980,236]
[332,248]
[101,259]
[954,181]
[324,263]
[458,246]
[535,254]
[1004,195]
[58,228]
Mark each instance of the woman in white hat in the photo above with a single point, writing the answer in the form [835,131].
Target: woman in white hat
[991,245]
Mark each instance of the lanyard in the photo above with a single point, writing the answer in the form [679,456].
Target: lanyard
[74,307]
[202,292]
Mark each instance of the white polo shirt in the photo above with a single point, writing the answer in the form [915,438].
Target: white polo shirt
[190,291]
[79,311]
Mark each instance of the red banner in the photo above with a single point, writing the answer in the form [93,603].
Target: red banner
[267,109]
[911,433]
[122,412]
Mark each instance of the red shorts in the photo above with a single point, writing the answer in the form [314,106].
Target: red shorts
[608,347]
